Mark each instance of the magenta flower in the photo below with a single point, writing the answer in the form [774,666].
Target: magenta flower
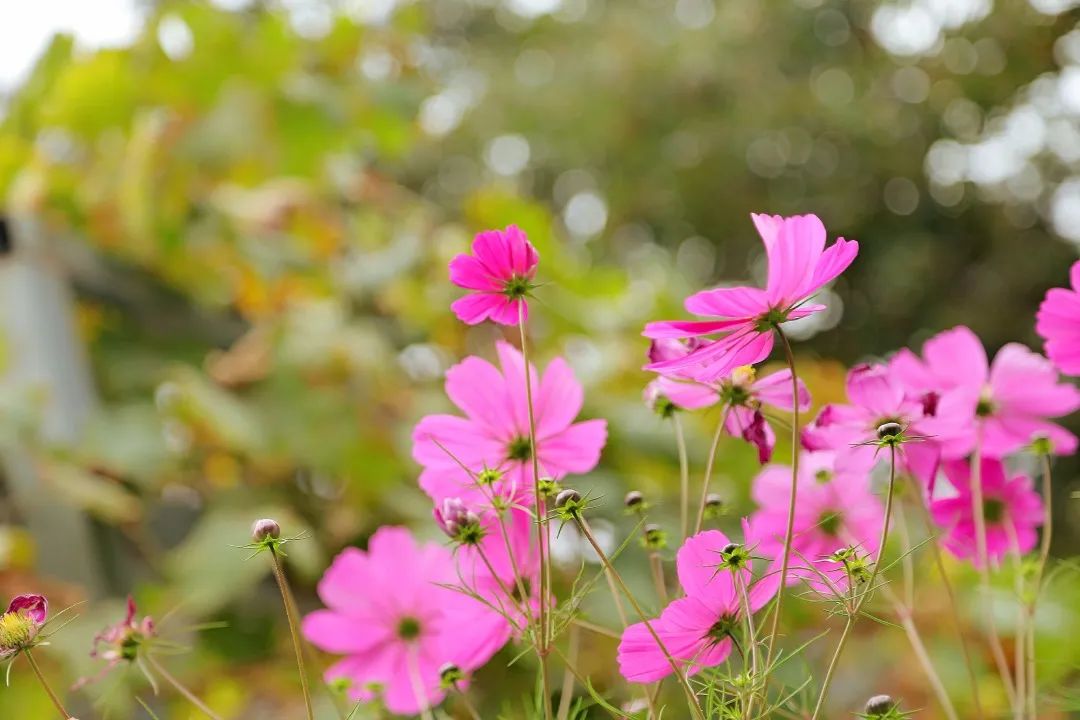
[1058,323]
[492,440]
[500,271]
[22,622]
[390,613]
[876,398]
[1012,511]
[835,510]
[1011,399]
[799,266]
[696,629]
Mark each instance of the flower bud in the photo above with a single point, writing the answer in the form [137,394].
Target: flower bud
[714,505]
[264,529]
[569,504]
[654,537]
[879,706]
[548,487]
[458,521]
[450,675]
[566,497]
[634,500]
[889,431]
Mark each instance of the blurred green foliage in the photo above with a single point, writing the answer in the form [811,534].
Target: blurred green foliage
[258,215]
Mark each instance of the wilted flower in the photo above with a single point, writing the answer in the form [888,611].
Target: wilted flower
[122,642]
[799,266]
[500,271]
[19,626]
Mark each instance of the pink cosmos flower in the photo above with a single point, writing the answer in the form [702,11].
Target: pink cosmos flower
[799,266]
[501,271]
[877,398]
[697,629]
[1058,323]
[1012,511]
[835,509]
[19,626]
[1011,399]
[389,612]
[492,440]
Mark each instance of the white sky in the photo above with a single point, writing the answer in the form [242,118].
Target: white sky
[26,26]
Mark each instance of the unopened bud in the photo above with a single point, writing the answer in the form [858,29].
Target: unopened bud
[548,487]
[879,706]
[889,431]
[450,675]
[714,505]
[567,497]
[634,500]
[458,522]
[265,529]
[654,537]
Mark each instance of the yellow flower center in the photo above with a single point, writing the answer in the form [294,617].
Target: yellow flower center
[16,630]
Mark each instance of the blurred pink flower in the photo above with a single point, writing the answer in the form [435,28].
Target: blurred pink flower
[389,612]
[19,626]
[501,271]
[1011,508]
[876,398]
[799,266]
[834,510]
[1058,322]
[696,629]
[494,434]
[121,642]
[1011,399]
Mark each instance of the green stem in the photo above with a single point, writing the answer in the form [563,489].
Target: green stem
[466,702]
[541,521]
[860,600]
[567,694]
[45,684]
[709,468]
[294,630]
[695,708]
[790,531]
[180,688]
[935,548]
[1040,568]
[983,566]
[684,477]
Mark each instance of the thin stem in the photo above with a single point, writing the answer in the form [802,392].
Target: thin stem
[502,587]
[935,548]
[928,667]
[850,623]
[179,687]
[294,630]
[695,708]
[709,468]
[684,476]
[1019,645]
[1040,568]
[466,702]
[982,564]
[567,693]
[418,684]
[751,636]
[906,559]
[790,530]
[619,609]
[861,599]
[541,520]
[656,564]
[45,684]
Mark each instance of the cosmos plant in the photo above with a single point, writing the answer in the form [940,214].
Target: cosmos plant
[945,434]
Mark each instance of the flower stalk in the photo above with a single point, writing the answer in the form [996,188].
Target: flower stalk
[45,684]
